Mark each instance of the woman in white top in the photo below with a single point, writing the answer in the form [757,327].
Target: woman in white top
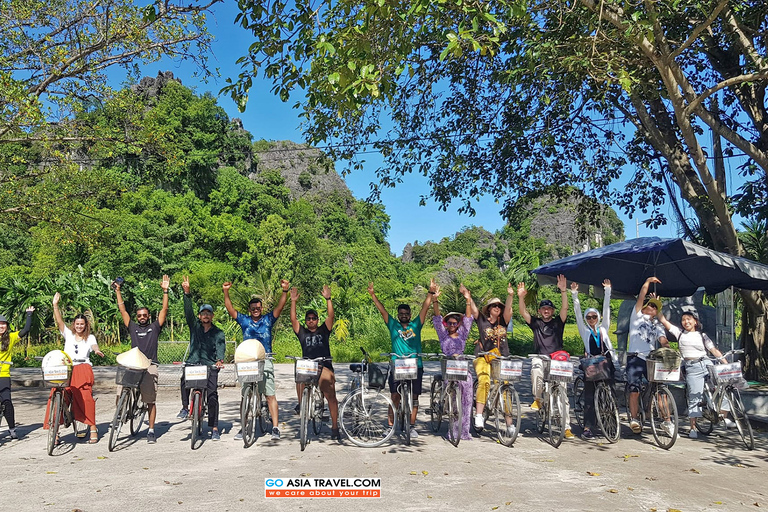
[693,345]
[78,344]
[594,334]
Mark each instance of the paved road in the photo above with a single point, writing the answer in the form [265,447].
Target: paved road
[705,474]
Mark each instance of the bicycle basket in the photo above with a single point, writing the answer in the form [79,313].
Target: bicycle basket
[454,369]
[505,370]
[406,369]
[252,371]
[306,370]
[557,371]
[196,377]
[377,375]
[57,376]
[127,377]
[596,368]
[725,373]
[659,372]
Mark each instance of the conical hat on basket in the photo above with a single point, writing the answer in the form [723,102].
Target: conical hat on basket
[56,358]
[249,350]
[134,359]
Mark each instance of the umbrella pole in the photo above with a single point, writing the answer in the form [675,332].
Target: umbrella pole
[733,322]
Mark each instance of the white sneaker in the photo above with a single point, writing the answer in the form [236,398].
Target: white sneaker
[414,432]
[729,423]
[668,427]
[511,430]
[479,423]
[693,434]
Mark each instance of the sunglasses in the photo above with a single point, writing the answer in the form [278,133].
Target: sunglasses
[311,318]
[452,322]
[591,317]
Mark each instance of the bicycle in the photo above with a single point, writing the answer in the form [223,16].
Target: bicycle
[364,412]
[405,369]
[656,401]
[307,372]
[58,377]
[554,398]
[721,387]
[196,380]
[605,403]
[253,408]
[130,406]
[445,399]
[503,402]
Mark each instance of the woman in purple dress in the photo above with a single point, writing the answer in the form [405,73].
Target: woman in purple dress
[452,331]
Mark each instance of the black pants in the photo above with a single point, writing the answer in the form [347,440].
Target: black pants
[5,399]
[590,419]
[213,397]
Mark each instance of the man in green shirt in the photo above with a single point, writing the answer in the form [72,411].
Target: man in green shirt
[206,347]
[406,339]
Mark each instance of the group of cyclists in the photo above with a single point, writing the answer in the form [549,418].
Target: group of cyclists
[207,347]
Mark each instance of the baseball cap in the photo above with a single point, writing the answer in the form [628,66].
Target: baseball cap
[546,303]
[205,307]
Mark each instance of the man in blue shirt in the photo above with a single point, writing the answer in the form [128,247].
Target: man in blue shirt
[406,339]
[257,326]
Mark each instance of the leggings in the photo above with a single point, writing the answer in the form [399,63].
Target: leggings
[5,398]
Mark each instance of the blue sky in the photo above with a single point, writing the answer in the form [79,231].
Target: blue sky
[266,117]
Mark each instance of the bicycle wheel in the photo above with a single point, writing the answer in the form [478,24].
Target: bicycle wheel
[364,418]
[265,418]
[435,406]
[247,419]
[453,409]
[741,419]
[138,412]
[474,409]
[54,420]
[557,421]
[197,413]
[542,417]
[507,415]
[306,403]
[607,413]
[121,415]
[406,407]
[662,406]
[319,409]
[578,400]
[709,416]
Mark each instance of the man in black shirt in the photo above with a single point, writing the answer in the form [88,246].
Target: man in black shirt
[314,339]
[145,335]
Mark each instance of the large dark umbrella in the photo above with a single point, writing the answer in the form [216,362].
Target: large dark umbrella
[681,266]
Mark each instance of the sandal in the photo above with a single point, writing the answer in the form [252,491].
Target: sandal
[94,437]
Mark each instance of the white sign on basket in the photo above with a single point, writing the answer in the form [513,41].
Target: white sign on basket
[456,367]
[406,366]
[511,370]
[562,369]
[728,372]
[306,367]
[195,373]
[661,373]
[251,368]
[54,373]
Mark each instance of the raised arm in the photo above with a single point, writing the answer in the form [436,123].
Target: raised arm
[326,293]
[521,293]
[378,303]
[433,289]
[562,285]
[165,284]
[294,319]
[57,314]
[227,301]
[285,285]
[577,309]
[471,309]
[666,323]
[436,303]
[27,322]
[508,303]
[643,292]
[121,305]
[189,313]
[606,304]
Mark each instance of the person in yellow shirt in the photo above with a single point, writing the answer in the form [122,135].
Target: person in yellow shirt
[7,341]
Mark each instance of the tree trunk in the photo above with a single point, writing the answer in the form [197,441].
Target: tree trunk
[754,328]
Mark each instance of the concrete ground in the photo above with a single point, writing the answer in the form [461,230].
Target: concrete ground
[710,473]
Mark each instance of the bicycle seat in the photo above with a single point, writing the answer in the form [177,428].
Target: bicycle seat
[437,377]
[357,367]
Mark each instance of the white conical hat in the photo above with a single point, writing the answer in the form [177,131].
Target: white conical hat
[249,350]
[56,358]
[134,359]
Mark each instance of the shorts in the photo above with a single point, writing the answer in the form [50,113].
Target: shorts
[267,385]
[415,383]
[637,372]
[148,386]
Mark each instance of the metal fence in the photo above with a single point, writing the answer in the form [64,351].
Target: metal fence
[171,354]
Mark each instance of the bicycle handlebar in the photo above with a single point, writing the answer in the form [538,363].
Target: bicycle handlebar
[317,359]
